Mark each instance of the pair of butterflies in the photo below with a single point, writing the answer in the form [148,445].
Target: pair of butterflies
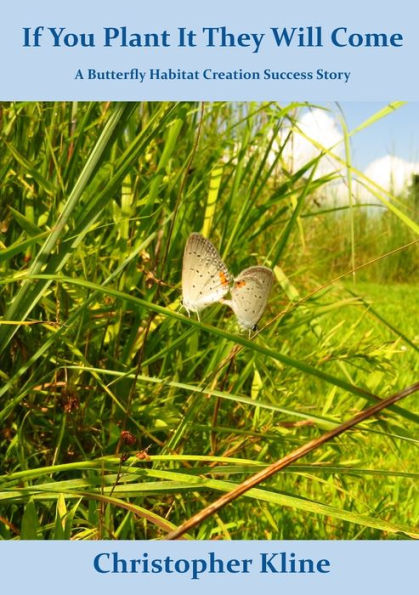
[206,280]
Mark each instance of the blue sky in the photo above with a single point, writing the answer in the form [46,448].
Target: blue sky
[386,152]
[396,134]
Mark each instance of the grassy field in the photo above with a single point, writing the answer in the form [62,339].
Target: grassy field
[120,417]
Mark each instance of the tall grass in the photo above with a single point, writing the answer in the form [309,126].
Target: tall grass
[120,416]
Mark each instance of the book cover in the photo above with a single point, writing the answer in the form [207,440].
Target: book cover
[208,303]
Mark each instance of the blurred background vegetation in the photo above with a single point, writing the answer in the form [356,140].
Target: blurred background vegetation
[119,416]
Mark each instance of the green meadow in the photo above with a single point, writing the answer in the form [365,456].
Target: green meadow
[120,416]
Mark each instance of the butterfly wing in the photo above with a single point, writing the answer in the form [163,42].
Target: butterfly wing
[205,277]
[250,295]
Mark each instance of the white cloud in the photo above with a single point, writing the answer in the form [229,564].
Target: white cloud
[318,125]
[392,173]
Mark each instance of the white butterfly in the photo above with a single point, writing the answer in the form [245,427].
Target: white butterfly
[205,277]
[249,295]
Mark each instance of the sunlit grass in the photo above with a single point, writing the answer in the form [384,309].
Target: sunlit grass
[110,426]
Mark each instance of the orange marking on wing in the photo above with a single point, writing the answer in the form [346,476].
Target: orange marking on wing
[240,283]
[223,278]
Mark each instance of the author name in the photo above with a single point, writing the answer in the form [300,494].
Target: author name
[195,568]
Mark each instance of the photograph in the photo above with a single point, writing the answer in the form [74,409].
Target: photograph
[208,320]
